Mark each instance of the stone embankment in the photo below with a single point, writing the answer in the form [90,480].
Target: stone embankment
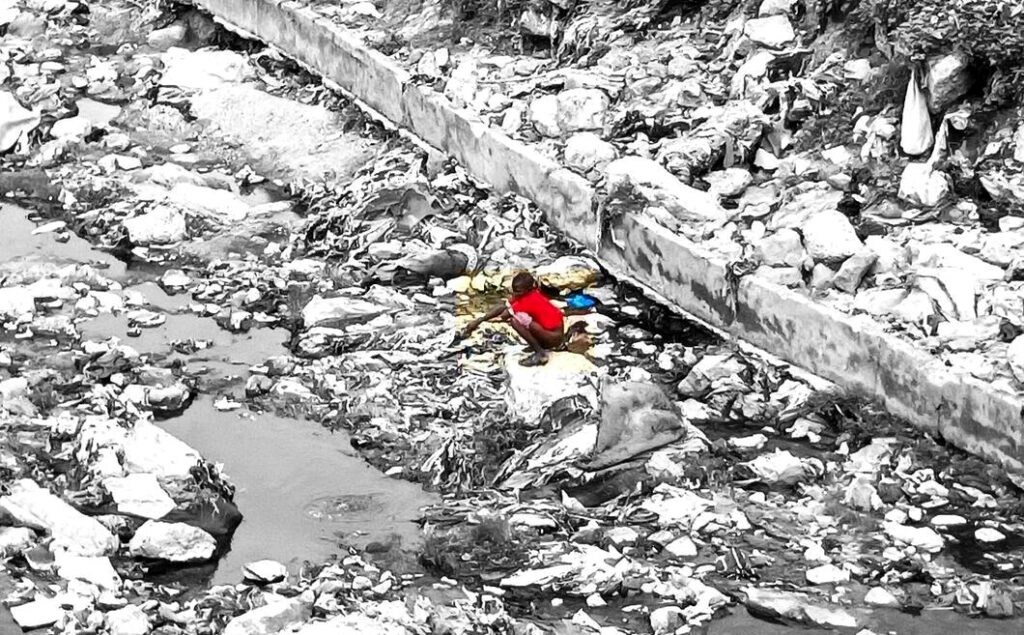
[855,351]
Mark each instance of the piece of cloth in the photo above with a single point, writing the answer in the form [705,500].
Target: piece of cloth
[523,318]
[537,306]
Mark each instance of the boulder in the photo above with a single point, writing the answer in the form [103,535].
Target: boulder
[15,121]
[729,182]
[14,540]
[129,620]
[949,78]
[827,574]
[921,538]
[921,185]
[16,301]
[654,184]
[853,270]
[531,389]
[783,248]
[581,109]
[585,151]
[878,596]
[635,418]
[775,7]
[159,226]
[95,570]
[339,310]
[277,615]
[167,37]
[173,542]
[773,32]
[830,238]
[203,69]
[72,129]
[808,200]
[39,613]
[891,257]
[568,273]
[543,115]
[73,533]
[139,495]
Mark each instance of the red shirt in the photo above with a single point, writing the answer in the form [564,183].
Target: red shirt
[537,306]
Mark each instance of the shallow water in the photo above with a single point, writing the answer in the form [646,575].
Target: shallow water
[937,622]
[300,487]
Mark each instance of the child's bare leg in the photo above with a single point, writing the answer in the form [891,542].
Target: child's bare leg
[525,333]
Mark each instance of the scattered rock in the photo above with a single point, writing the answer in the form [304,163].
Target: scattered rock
[586,151]
[139,495]
[203,69]
[730,182]
[773,32]
[37,614]
[15,121]
[827,574]
[264,572]
[73,532]
[830,238]
[659,188]
[878,596]
[949,78]
[681,547]
[174,542]
[921,538]
[987,534]
[322,311]
[783,248]
[277,615]
[165,38]
[853,270]
[160,226]
[130,620]
[921,185]
[797,607]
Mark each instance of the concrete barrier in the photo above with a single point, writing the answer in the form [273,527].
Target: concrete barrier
[852,351]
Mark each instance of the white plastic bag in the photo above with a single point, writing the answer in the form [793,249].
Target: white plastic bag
[916,135]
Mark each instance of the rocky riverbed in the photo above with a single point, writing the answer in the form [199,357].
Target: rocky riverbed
[231,380]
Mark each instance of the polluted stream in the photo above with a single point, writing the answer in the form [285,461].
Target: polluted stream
[301,488]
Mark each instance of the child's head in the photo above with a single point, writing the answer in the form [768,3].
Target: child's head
[522,283]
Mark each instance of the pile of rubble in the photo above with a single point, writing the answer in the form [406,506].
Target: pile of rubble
[767,132]
[645,481]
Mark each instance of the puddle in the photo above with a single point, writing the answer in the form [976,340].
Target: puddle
[18,243]
[299,486]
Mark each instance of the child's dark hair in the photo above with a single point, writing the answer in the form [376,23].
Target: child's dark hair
[523,280]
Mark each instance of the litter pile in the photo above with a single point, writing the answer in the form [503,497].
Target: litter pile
[647,478]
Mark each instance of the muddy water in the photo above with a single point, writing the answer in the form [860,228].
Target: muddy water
[301,488]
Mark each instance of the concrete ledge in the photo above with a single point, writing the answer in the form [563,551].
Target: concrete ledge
[853,352]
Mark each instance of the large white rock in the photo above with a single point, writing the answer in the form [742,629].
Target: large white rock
[37,614]
[921,185]
[830,238]
[921,538]
[14,540]
[661,189]
[159,226]
[949,77]
[533,388]
[878,596]
[15,121]
[165,38]
[217,204]
[71,129]
[320,310]
[891,256]
[729,182]
[568,272]
[264,571]
[139,495]
[775,7]
[174,542]
[16,301]
[128,620]
[95,570]
[276,616]
[827,574]
[73,532]
[581,109]
[543,115]
[853,270]
[203,69]
[585,151]
[783,248]
[773,32]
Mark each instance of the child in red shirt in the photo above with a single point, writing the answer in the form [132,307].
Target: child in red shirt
[532,315]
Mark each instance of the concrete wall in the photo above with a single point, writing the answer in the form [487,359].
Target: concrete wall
[850,351]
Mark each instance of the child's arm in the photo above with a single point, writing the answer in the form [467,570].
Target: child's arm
[498,311]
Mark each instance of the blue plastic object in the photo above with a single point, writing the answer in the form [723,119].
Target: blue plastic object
[578,300]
